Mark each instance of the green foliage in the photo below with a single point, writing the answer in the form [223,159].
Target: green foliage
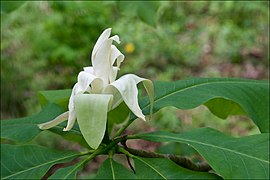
[25,129]
[59,97]
[190,93]
[232,158]
[45,44]
[30,161]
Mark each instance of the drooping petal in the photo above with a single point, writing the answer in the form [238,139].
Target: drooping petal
[127,87]
[104,36]
[91,112]
[61,118]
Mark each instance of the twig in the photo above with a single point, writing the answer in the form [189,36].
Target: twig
[180,160]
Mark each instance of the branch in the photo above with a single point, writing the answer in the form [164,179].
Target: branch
[179,160]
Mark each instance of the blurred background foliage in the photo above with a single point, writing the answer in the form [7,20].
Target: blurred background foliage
[45,44]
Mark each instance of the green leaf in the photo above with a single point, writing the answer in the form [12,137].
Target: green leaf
[60,97]
[25,129]
[91,112]
[30,161]
[159,168]
[69,172]
[235,96]
[118,115]
[222,108]
[113,170]
[232,158]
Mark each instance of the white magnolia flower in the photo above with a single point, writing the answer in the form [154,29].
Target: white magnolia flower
[97,91]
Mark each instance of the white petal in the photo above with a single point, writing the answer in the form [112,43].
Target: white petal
[61,118]
[89,69]
[104,36]
[116,55]
[113,74]
[115,38]
[101,61]
[71,119]
[84,80]
[126,85]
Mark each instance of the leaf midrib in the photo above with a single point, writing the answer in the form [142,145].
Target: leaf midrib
[211,145]
[39,166]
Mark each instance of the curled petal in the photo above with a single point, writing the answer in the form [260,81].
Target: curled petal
[127,87]
[115,38]
[85,79]
[61,118]
[116,55]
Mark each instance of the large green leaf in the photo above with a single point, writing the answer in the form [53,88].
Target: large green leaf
[158,168]
[113,170]
[223,96]
[60,97]
[232,158]
[25,129]
[30,161]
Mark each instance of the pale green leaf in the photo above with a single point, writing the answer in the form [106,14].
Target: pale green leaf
[232,158]
[91,112]
[158,168]
[30,161]
[113,170]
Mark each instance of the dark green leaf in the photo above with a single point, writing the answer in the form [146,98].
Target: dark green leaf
[30,161]
[232,158]
[60,97]
[118,115]
[158,168]
[25,129]
[113,170]
[237,96]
